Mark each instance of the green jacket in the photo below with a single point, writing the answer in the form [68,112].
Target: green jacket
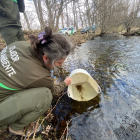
[9,12]
[21,70]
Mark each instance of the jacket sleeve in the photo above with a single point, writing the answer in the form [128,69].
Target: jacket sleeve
[21,5]
[59,87]
[48,82]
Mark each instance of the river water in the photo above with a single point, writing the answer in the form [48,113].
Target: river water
[114,62]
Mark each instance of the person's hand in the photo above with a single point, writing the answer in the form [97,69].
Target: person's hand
[68,81]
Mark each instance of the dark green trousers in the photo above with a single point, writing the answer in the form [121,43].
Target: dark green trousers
[12,34]
[22,108]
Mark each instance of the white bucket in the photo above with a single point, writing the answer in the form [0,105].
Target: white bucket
[83,87]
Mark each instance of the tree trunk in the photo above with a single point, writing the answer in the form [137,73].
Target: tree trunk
[37,11]
[62,20]
[74,13]
[80,15]
[67,16]
[50,14]
[27,21]
[128,29]
[40,14]
[88,13]
[58,16]
[76,23]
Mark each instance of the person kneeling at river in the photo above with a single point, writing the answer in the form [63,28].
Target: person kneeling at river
[26,85]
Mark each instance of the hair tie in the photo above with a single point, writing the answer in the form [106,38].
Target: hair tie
[42,38]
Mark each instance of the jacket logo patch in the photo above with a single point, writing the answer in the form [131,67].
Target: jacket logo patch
[5,62]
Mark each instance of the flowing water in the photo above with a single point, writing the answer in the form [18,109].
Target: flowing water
[114,62]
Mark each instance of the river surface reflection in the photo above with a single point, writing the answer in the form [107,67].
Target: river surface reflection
[114,62]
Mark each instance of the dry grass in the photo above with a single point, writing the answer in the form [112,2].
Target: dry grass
[2,43]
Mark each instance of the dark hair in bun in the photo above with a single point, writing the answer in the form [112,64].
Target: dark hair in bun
[48,32]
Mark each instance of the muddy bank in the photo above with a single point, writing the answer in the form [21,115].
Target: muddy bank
[132,33]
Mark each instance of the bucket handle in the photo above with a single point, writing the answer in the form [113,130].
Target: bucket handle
[68,93]
[99,89]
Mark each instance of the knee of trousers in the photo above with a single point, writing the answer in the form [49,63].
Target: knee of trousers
[41,100]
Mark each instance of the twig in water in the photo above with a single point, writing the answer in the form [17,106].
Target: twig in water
[53,108]
[48,128]
[68,122]
[35,129]
[67,130]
